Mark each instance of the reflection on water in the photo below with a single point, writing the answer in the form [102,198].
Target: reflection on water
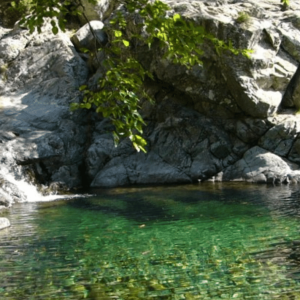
[209,241]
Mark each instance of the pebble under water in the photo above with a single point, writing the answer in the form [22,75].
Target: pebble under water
[207,241]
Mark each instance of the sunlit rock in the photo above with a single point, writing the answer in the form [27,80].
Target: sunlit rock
[261,166]
[91,36]
[100,11]
[4,223]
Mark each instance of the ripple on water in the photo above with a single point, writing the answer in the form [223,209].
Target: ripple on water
[190,242]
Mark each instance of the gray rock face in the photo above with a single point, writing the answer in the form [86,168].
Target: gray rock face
[224,120]
[201,136]
[100,11]
[261,166]
[38,133]
[91,36]
[292,95]
[4,223]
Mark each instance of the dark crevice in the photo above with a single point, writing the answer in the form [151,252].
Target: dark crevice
[288,99]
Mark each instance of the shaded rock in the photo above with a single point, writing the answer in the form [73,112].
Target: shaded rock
[292,94]
[68,176]
[294,154]
[112,175]
[280,138]
[183,147]
[250,130]
[204,166]
[138,169]
[8,17]
[98,154]
[152,169]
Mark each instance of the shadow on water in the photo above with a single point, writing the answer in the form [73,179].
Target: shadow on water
[157,204]
[208,241]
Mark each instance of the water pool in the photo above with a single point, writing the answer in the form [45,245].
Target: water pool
[208,241]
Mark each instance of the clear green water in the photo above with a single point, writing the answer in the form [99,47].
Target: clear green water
[210,241]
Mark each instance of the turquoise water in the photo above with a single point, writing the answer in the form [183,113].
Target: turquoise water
[209,241]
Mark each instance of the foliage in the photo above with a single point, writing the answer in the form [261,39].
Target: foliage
[3,72]
[243,17]
[34,12]
[121,87]
[285,2]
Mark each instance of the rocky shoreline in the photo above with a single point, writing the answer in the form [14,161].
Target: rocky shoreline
[234,119]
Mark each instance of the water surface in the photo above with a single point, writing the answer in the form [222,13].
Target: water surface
[209,241]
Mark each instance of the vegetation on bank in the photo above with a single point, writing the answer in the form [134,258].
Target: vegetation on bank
[121,88]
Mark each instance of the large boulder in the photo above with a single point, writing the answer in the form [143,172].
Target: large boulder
[260,166]
[254,86]
[183,146]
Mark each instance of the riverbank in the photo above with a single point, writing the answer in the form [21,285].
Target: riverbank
[226,120]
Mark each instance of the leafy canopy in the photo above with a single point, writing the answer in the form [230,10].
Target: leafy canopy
[121,87]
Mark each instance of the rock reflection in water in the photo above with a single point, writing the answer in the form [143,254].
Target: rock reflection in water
[208,241]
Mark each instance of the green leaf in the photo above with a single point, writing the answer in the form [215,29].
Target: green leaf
[84,50]
[83,87]
[74,106]
[118,33]
[176,17]
[140,141]
[54,30]
[126,43]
